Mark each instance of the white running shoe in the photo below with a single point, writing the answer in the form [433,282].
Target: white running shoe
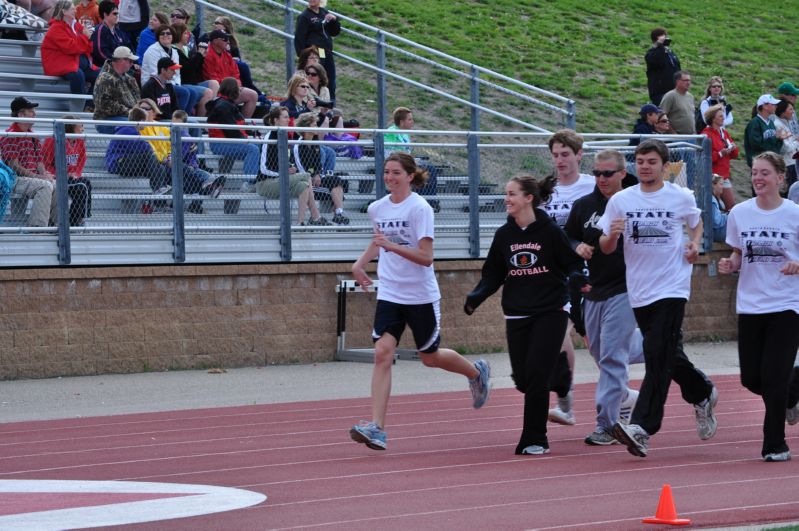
[563,412]
[627,406]
[706,424]
[633,436]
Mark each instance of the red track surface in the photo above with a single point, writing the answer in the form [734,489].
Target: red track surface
[447,466]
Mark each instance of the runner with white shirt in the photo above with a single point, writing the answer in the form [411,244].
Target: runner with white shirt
[764,235]
[408,294]
[651,216]
[566,148]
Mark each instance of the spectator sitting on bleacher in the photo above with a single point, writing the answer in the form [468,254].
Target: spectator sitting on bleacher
[191,62]
[160,89]
[107,35]
[267,184]
[189,96]
[648,117]
[66,49]
[181,16]
[226,25]
[663,125]
[317,80]
[79,187]
[223,110]
[308,158]
[403,119]
[298,99]
[219,64]
[24,156]
[135,157]
[148,36]
[116,91]
[309,56]
[88,8]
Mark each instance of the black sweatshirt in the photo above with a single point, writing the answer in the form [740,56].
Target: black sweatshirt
[606,271]
[533,264]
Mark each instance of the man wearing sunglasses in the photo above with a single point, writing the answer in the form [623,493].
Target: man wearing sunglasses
[609,320]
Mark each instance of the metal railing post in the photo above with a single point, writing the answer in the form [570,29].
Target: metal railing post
[199,15]
[380,159]
[571,115]
[381,80]
[475,99]
[703,191]
[178,220]
[474,199]
[285,203]
[288,24]
[61,195]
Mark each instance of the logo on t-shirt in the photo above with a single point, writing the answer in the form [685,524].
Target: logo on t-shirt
[523,259]
[396,230]
[764,245]
[650,227]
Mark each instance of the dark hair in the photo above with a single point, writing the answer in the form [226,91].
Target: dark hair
[229,88]
[273,114]
[679,73]
[656,33]
[69,128]
[653,145]
[184,13]
[178,29]
[302,61]
[162,18]
[162,27]
[105,7]
[320,70]
[776,161]
[540,190]
[568,138]
[400,114]
[782,106]
[408,164]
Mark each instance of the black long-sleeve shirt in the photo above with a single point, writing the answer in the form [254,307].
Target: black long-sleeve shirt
[311,30]
[533,264]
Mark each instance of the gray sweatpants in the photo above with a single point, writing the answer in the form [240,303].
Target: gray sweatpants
[43,194]
[614,342]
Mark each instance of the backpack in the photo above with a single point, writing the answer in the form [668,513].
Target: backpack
[7,181]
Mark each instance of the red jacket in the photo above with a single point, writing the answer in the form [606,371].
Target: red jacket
[219,66]
[62,48]
[76,156]
[721,165]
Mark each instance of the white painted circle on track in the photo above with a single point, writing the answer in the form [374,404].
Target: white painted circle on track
[157,501]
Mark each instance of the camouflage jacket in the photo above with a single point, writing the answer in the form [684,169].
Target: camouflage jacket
[114,95]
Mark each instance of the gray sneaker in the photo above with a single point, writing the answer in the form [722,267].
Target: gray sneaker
[480,386]
[633,436]
[792,414]
[777,457]
[535,449]
[600,437]
[705,420]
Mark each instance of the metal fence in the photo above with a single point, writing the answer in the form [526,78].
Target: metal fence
[136,201]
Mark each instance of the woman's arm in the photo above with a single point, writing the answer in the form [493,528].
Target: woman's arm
[423,255]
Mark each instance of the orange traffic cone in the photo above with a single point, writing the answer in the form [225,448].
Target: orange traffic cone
[667,512]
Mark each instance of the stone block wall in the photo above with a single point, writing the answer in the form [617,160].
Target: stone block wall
[95,320]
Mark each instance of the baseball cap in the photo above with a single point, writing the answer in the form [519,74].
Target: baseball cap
[166,62]
[767,98]
[646,109]
[787,88]
[21,102]
[123,52]
[218,34]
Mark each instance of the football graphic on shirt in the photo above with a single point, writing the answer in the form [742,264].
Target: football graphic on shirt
[524,259]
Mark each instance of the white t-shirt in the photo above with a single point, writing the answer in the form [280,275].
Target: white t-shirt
[767,239]
[129,11]
[560,204]
[406,223]
[654,252]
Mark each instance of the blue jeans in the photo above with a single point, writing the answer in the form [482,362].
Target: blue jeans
[195,94]
[77,80]
[109,129]
[328,156]
[249,153]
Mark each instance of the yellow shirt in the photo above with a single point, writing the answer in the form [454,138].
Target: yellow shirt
[162,148]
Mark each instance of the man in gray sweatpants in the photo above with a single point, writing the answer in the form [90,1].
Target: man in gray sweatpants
[609,320]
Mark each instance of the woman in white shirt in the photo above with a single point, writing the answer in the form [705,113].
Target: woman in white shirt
[790,144]
[764,235]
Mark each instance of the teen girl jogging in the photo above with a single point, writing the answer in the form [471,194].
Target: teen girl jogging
[763,232]
[532,257]
[408,293]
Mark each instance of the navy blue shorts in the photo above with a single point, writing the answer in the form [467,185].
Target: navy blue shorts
[422,319]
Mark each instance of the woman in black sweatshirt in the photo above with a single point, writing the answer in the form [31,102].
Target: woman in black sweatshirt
[532,257]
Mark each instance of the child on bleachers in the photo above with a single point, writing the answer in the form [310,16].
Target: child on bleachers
[79,187]
[191,165]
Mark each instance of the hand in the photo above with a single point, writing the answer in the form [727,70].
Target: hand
[329,17]
[790,268]
[361,277]
[380,240]
[311,103]
[585,251]
[203,50]
[88,30]
[691,251]
[468,309]
[617,227]
[725,266]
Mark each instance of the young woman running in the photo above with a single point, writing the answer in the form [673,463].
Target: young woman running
[408,293]
[762,232]
[532,257]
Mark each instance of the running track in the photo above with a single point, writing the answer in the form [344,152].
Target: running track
[447,466]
